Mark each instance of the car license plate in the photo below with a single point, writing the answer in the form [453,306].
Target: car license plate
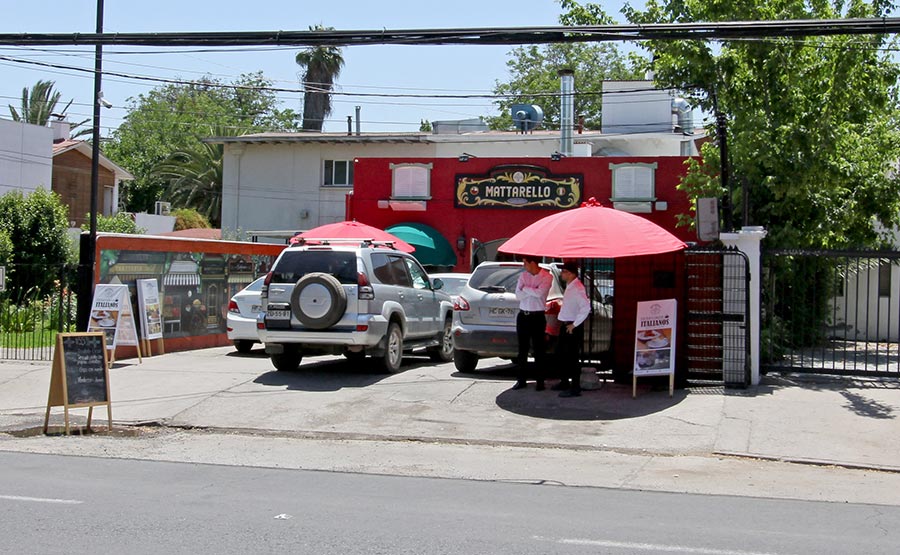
[278,315]
[255,308]
[501,312]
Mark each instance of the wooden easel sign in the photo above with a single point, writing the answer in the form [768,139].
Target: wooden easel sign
[79,376]
[111,314]
[150,312]
[654,345]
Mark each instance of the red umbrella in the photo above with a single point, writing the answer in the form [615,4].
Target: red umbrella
[592,231]
[353,230]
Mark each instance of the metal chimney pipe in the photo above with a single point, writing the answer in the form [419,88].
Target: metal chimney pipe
[566,111]
[349,125]
[357,120]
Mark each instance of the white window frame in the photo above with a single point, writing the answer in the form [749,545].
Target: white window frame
[349,172]
[631,179]
[402,185]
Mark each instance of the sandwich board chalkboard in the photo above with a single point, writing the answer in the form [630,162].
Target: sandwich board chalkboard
[79,375]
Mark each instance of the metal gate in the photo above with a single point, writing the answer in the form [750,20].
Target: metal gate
[831,312]
[717,315]
[37,304]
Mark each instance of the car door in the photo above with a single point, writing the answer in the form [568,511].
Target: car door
[428,306]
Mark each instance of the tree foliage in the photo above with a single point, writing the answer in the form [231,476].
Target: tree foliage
[811,122]
[194,176]
[174,118]
[121,222]
[534,74]
[188,218]
[37,225]
[323,66]
[39,104]
[534,79]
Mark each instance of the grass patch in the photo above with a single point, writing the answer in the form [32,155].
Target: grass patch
[28,339]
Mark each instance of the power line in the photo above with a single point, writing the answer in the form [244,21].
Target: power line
[472,36]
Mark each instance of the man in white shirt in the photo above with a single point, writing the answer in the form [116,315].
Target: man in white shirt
[531,291]
[576,307]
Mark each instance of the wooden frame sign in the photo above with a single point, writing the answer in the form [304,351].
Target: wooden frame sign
[112,315]
[79,375]
[150,312]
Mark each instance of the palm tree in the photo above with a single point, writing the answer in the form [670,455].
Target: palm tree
[195,175]
[39,104]
[323,65]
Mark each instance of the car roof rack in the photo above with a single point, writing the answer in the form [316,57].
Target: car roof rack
[361,241]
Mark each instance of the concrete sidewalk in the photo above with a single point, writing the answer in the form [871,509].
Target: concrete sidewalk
[828,422]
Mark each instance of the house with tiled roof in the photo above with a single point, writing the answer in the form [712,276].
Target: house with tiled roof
[72,176]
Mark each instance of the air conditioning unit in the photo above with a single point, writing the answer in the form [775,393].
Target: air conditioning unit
[163,208]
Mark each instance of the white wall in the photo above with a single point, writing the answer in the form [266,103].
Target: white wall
[26,156]
[154,223]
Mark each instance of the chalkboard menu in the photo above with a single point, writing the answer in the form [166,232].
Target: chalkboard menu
[85,366]
[80,376]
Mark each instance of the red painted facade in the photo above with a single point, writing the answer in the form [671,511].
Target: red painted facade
[373,183]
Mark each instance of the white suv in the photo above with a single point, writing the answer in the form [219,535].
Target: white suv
[354,298]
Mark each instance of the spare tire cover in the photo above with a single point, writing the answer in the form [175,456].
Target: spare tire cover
[318,300]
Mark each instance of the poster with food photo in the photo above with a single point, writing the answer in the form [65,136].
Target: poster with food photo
[149,308]
[654,345]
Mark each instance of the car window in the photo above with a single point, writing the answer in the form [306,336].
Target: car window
[453,285]
[400,272]
[293,265]
[497,278]
[419,277]
[256,285]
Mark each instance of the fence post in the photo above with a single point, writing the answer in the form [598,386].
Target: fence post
[747,240]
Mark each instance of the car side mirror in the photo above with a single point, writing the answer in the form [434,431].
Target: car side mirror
[437,283]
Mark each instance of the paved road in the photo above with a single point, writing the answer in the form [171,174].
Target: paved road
[59,504]
[839,436]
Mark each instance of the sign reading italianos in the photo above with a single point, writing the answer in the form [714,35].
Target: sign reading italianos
[515,186]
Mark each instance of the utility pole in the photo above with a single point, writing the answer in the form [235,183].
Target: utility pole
[722,137]
[88,259]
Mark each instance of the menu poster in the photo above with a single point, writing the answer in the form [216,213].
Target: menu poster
[654,345]
[112,315]
[149,308]
[105,311]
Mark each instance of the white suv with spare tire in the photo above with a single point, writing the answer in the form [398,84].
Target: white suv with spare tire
[355,298]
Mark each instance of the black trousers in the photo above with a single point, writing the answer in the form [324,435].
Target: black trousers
[569,354]
[530,330]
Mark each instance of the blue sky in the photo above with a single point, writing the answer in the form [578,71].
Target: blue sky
[368,69]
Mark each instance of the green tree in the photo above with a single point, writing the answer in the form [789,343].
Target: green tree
[172,119]
[188,218]
[37,225]
[425,125]
[811,122]
[194,176]
[121,222]
[534,79]
[323,65]
[39,104]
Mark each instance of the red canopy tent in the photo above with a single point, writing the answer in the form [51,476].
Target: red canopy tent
[353,230]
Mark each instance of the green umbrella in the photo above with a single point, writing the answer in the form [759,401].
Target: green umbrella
[432,249]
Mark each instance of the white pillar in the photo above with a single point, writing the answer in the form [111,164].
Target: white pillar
[747,240]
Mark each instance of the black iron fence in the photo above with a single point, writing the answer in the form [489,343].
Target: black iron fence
[831,312]
[37,302]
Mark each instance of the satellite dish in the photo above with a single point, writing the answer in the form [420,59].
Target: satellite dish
[526,117]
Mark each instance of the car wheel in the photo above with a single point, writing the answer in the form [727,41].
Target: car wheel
[465,361]
[288,361]
[318,300]
[243,345]
[393,350]
[444,351]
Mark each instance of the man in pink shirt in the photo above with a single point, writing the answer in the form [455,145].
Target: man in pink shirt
[531,291]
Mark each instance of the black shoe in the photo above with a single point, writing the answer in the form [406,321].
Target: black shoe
[570,393]
[519,385]
[539,386]
[561,386]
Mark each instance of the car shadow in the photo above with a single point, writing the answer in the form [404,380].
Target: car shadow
[259,352]
[334,374]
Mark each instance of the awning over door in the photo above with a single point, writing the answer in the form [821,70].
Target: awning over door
[431,247]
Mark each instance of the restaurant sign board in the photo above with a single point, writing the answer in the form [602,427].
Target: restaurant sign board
[519,186]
